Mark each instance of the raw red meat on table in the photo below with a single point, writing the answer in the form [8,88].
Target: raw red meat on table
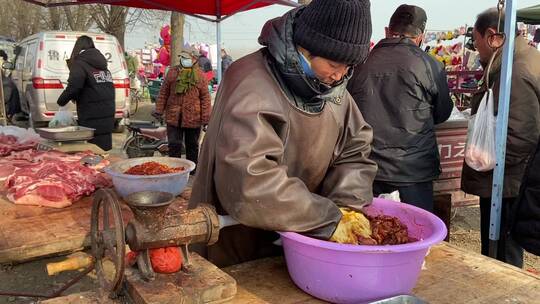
[9,143]
[27,158]
[52,179]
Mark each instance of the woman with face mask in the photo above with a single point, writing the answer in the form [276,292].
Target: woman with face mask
[184,100]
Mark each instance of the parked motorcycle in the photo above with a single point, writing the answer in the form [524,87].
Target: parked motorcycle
[146,138]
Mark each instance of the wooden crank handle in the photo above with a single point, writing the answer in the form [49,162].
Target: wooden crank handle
[73,262]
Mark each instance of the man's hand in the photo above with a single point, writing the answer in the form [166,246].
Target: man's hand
[354,228]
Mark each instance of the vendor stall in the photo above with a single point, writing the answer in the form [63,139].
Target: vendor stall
[451,275]
[391,254]
[452,48]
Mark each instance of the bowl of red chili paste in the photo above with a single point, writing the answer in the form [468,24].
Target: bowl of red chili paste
[166,174]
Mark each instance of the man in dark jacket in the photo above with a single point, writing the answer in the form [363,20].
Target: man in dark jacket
[11,93]
[523,131]
[526,223]
[286,146]
[402,92]
[204,63]
[90,86]
[226,61]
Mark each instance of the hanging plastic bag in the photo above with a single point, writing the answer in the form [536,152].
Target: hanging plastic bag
[63,118]
[480,149]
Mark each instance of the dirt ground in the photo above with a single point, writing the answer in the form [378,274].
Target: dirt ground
[32,277]
[465,233]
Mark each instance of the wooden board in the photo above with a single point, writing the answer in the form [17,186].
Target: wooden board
[204,283]
[455,275]
[30,232]
[451,275]
[266,281]
[80,298]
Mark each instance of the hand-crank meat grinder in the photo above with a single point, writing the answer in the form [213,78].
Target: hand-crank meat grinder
[153,227]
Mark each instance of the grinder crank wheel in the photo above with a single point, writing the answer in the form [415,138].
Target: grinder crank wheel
[108,241]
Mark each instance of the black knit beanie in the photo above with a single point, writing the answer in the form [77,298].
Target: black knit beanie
[339,30]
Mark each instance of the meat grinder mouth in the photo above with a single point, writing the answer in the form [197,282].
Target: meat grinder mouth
[148,199]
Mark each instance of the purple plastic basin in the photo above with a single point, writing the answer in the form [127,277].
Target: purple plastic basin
[341,273]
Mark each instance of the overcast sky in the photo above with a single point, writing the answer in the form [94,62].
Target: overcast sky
[240,32]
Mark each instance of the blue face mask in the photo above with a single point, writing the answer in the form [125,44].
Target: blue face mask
[306,66]
[186,62]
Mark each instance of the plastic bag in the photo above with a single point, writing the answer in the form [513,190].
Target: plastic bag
[23,135]
[456,115]
[63,118]
[480,149]
[166,260]
[394,196]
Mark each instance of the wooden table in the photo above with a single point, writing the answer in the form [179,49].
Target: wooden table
[30,232]
[452,275]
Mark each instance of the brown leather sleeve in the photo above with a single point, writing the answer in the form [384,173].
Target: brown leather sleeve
[206,106]
[251,184]
[352,166]
[164,91]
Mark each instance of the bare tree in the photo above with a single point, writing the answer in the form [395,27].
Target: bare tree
[177,36]
[111,20]
[19,19]
[78,18]
[72,18]
[54,19]
[116,20]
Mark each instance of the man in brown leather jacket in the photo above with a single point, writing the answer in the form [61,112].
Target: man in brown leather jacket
[286,145]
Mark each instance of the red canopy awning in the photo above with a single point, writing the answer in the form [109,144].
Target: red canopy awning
[217,8]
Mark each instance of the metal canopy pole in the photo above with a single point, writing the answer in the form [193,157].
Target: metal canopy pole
[502,125]
[218,37]
[218,29]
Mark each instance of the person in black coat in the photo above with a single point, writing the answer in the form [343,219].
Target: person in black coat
[402,93]
[11,93]
[204,63]
[526,210]
[226,61]
[90,86]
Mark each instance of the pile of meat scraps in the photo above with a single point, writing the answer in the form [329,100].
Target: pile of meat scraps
[52,179]
[358,229]
[17,139]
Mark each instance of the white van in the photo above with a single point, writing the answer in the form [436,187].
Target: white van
[41,73]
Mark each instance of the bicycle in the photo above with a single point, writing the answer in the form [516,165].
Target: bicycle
[136,96]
